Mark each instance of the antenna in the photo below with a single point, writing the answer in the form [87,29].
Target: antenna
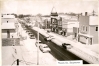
[93,13]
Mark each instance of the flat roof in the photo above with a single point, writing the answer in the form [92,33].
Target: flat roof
[85,35]
[8,16]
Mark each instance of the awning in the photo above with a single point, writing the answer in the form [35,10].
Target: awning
[85,35]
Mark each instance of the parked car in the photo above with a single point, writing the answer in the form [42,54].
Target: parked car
[32,37]
[67,46]
[44,48]
[24,28]
[48,38]
[37,43]
[30,33]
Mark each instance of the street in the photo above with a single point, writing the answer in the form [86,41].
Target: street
[57,51]
[49,32]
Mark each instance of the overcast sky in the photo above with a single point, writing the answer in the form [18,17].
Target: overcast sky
[45,6]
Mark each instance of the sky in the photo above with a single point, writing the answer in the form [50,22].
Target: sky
[45,6]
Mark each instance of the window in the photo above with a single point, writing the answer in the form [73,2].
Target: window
[83,28]
[96,28]
[86,28]
[7,21]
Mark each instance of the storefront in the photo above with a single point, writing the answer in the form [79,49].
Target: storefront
[85,39]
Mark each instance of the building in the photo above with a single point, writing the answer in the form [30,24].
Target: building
[75,33]
[88,29]
[68,22]
[54,20]
[8,25]
[47,23]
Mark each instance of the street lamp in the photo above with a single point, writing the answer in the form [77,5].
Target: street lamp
[38,46]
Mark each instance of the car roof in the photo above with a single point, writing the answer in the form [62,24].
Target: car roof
[44,45]
[38,41]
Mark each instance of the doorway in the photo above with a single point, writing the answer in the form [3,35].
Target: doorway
[8,34]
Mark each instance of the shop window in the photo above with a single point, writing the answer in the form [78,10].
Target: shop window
[96,28]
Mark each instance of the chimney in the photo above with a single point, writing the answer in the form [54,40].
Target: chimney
[86,14]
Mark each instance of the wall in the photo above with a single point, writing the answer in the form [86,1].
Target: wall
[93,20]
[94,33]
[10,41]
[75,29]
[71,25]
[83,40]
[83,21]
[12,32]
[4,20]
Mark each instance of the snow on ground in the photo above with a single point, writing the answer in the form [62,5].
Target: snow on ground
[27,53]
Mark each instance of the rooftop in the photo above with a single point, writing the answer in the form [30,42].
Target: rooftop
[8,16]
[54,12]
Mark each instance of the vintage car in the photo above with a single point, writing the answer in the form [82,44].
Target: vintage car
[67,46]
[44,48]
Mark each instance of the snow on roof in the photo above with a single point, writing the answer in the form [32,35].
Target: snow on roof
[8,26]
[8,16]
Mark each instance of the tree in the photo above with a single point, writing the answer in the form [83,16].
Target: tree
[21,16]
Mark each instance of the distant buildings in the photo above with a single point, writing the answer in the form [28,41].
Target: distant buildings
[84,28]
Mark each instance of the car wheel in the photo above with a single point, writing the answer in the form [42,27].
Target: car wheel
[45,39]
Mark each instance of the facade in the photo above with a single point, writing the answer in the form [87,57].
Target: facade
[46,21]
[8,26]
[9,35]
[54,20]
[88,29]
[68,24]
[75,33]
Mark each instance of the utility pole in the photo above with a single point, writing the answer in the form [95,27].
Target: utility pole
[38,46]
[38,20]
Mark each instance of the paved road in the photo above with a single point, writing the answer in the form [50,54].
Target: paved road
[57,51]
